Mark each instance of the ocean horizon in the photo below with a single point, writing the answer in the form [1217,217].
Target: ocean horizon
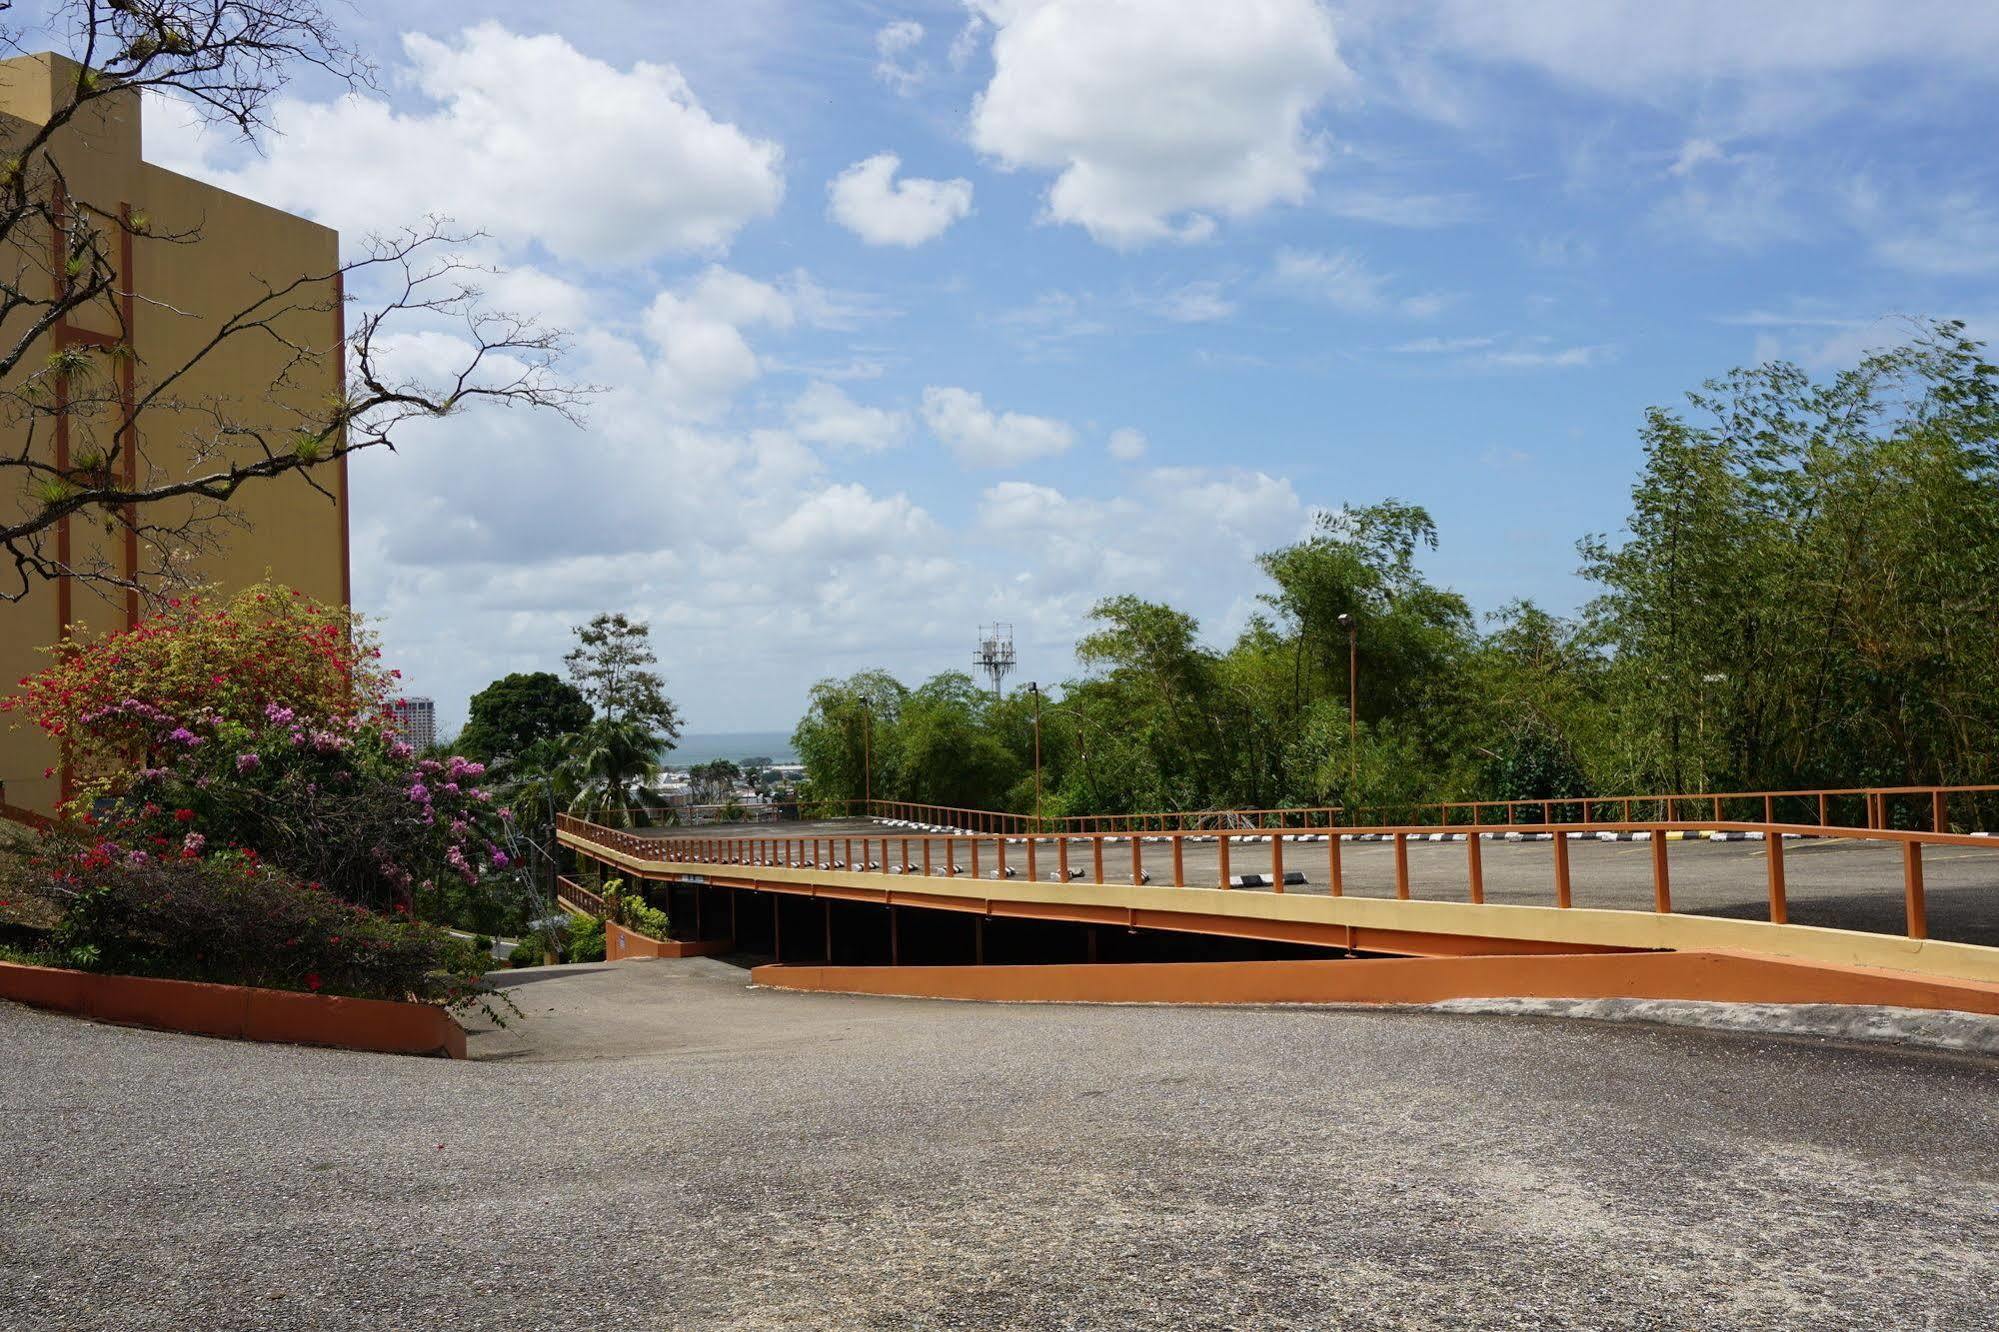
[707,746]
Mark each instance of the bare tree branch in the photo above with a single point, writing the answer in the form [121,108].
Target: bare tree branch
[59,278]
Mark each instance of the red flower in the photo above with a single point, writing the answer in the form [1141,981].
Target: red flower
[183,815]
[312,980]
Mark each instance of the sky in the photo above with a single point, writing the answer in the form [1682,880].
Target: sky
[907,318]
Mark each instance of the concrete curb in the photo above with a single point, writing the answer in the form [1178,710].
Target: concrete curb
[1917,1028]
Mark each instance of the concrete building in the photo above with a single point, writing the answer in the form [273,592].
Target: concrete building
[419,721]
[179,292]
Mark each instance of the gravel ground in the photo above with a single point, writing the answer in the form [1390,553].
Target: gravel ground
[657,1146]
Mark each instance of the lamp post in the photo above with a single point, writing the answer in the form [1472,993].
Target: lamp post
[1348,623]
[1035,690]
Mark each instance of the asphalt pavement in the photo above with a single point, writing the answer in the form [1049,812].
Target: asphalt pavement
[655,1145]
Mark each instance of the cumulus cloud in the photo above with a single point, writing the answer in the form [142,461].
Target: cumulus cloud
[980,437]
[523,137]
[703,356]
[1126,445]
[825,415]
[846,520]
[867,200]
[1155,115]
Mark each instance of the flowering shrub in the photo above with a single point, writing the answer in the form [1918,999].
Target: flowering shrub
[228,919]
[112,699]
[260,727]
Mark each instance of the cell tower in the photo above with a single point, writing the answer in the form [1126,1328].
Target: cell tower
[994,655]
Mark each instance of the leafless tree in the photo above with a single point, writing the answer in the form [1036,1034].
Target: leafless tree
[169,486]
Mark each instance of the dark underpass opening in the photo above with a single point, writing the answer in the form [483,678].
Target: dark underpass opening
[800,930]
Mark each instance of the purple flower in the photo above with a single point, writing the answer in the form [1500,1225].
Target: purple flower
[420,793]
[499,858]
[247,762]
[193,843]
[279,716]
[180,735]
[399,750]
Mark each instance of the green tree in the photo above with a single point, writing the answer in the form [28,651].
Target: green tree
[518,711]
[612,664]
[615,766]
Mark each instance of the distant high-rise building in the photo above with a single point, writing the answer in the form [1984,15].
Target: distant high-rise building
[419,720]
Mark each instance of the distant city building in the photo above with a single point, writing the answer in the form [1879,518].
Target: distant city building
[418,717]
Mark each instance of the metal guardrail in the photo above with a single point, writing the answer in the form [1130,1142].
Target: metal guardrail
[1819,806]
[577,893]
[937,855]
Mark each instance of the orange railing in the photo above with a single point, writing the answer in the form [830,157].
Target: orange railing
[1868,806]
[1008,855]
[1846,806]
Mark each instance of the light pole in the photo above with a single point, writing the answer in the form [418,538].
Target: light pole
[1348,623]
[1035,690]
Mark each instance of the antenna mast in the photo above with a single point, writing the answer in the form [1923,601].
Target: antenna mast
[994,654]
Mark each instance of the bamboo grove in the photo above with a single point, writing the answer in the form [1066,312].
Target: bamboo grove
[1805,592]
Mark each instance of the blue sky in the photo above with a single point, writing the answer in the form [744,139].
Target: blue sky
[1147,282]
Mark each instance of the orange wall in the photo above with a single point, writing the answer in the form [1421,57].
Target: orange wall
[294,533]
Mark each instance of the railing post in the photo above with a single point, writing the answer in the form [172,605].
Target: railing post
[1277,860]
[1561,868]
[1032,875]
[1062,856]
[926,856]
[1773,841]
[1333,884]
[1912,890]
[975,856]
[999,852]
[1939,811]
[1222,850]
[1822,822]
[1179,868]
[1662,884]
[1475,866]
[1137,857]
[1402,866]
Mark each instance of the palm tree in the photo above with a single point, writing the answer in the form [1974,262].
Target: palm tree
[614,764]
[535,785]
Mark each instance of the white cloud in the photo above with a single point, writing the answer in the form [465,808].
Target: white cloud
[846,520]
[703,358]
[1126,445]
[1641,48]
[1196,303]
[892,44]
[1341,279]
[980,437]
[1440,346]
[1157,115]
[1956,235]
[867,200]
[522,137]
[1548,358]
[825,415]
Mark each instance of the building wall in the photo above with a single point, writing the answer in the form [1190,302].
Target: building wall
[289,531]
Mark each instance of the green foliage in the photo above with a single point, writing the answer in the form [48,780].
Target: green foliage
[228,920]
[586,939]
[517,712]
[1807,593]
[612,667]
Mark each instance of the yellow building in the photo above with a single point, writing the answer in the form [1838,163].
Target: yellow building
[179,291]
